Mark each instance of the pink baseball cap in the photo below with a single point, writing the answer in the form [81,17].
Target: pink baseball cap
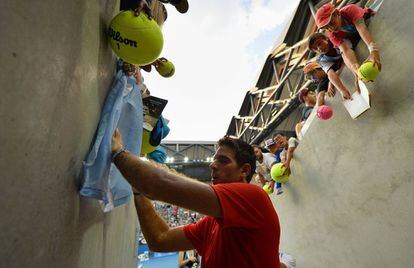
[324,15]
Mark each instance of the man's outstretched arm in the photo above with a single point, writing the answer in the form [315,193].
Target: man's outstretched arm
[158,183]
[160,237]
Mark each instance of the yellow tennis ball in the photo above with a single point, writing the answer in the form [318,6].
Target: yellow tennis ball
[277,172]
[146,147]
[368,71]
[165,68]
[135,39]
[267,189]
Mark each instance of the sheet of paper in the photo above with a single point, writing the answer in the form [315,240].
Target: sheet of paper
[359,103]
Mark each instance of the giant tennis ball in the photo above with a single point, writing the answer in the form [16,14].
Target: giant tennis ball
[146,147]
[165,68]
[368,71]
[324,112]
[267,189]
[135,39]
[277,172]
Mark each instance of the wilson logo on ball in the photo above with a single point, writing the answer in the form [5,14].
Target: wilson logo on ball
[115,35]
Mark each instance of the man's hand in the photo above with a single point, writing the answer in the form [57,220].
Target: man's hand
[143,7]
[117,144]
[346,95]
[357,84]
[287,166]
[331,90]
[374,57]
[193,259]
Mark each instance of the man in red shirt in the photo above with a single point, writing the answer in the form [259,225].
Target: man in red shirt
[241,228]
[346,27]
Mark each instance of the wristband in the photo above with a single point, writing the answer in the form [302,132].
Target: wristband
[372,47]
[115,155]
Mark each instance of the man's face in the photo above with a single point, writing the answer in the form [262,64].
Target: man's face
[273,148]
[310,97]
[258,153]
[281,141]
[321,46]
[316,75]
[224,168]
[335,23]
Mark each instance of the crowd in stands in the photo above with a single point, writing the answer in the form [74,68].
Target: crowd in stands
[176,216]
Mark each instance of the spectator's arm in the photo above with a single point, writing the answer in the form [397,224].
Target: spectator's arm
[337,82]
[349,57]
[160,237]
[262,179]
[374,54]
[289,155]
[363,31]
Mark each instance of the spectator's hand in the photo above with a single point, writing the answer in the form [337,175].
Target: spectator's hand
[346,95]
[375,58]
[287,166]
[157,63]
[143,7]
[331,90]
[357,84]
[257,179]
[193,259]
[117,144]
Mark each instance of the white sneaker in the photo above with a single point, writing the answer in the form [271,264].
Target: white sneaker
[287,260]
[279,191]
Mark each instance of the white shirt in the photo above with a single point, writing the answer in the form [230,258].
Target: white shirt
[264,168]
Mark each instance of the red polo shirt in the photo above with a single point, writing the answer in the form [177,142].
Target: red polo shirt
[350,14]
[247,234]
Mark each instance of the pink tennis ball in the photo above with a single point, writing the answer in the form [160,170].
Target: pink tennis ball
[325,112]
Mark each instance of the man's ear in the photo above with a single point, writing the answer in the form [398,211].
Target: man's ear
[246,169]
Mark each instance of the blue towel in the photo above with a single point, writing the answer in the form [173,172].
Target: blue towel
[123,109]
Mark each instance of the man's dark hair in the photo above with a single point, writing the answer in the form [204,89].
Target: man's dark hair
[244,153]
[279,133]
[313,38]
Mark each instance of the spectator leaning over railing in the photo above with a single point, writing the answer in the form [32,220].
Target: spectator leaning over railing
[346,27]
[188,259]
[307,97]
[271,145]
[288,147]
[314,73]
[331,62]
[264,162]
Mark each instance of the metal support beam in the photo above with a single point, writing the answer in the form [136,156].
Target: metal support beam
[278,87]
[275,70]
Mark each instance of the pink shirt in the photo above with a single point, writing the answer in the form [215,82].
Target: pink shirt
[350,13]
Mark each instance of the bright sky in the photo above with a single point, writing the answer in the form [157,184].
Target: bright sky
[218,48]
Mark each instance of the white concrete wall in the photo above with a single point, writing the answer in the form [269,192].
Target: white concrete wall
[56,68]
[350,198]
